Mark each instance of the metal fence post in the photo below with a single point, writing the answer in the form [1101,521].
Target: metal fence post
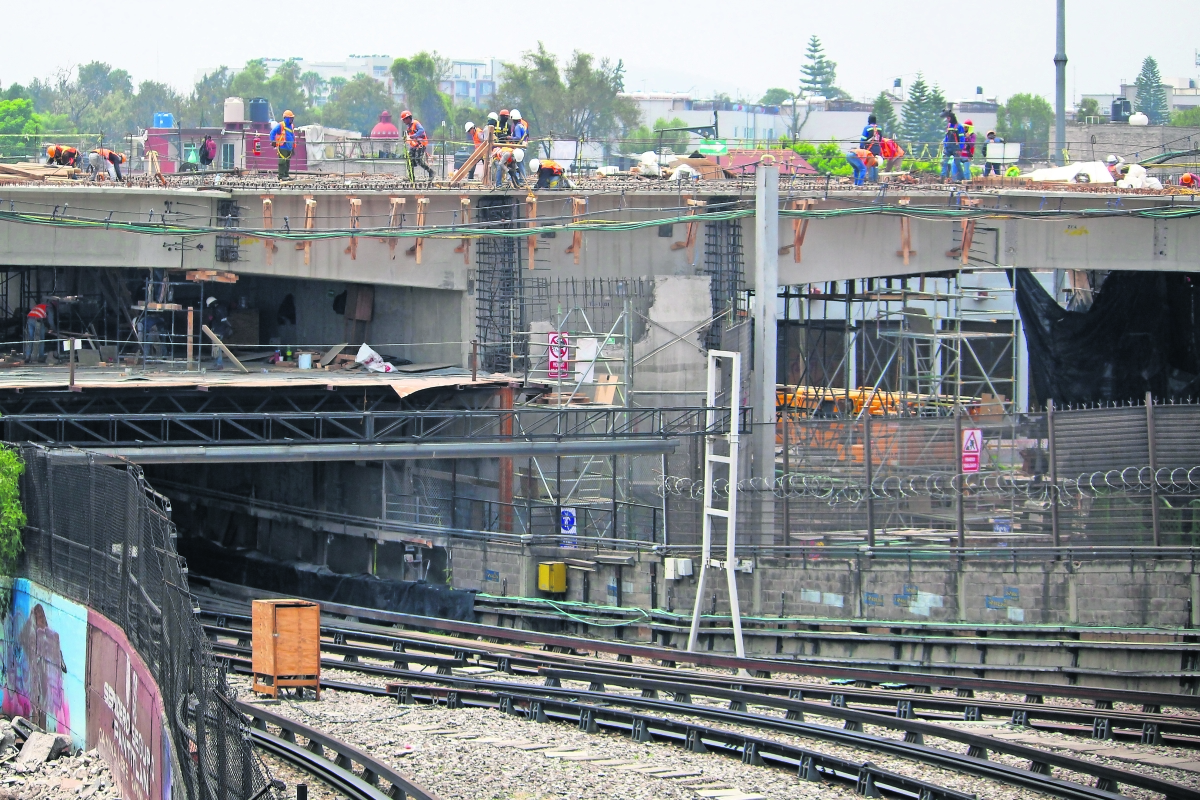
[870,468]
[1153,451]
[960,512]
[1053,473]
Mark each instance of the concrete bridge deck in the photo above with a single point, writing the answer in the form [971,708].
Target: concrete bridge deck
[367,231]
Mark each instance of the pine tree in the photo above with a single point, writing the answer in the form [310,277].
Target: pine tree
[885,114]
[1151,95]
[914,126]
[819,75]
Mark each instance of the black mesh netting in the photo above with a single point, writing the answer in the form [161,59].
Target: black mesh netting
[102,537]
[1140,335]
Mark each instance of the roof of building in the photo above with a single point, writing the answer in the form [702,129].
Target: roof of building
[384,129]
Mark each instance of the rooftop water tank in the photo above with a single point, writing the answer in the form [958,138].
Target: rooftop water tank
[235,111]
[1138,118]
[260,110]
[164,119]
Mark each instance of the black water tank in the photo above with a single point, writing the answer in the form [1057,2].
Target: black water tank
[260,110]
[1121,110]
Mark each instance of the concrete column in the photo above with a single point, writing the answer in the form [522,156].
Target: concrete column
[762,387]
[1073,598]
[1195,621]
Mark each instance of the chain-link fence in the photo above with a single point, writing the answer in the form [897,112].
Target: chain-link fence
[103,537]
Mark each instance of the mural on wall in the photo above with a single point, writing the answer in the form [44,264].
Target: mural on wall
[125,722]
[45,659]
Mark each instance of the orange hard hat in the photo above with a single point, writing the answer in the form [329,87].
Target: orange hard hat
[504,112]
[406,114]
[288,115]
[50,150]
[1187,179]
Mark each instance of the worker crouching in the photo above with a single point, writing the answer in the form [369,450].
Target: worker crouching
[57,154]
[103,161]
[549,174]
[507,161]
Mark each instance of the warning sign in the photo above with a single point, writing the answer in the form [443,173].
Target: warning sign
[559,362]
[972,446]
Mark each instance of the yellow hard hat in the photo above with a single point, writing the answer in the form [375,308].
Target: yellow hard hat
[288,114]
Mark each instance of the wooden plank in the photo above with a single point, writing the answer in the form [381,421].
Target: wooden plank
[331,354]
[228,353]
[211,276]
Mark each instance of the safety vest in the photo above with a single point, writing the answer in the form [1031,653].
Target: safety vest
[888,148]
[107,155]
[553,166]
[38,311]
[503,155]
[477,136]
[417,137]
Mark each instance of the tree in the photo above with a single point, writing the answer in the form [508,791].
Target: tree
[153,97]
[775,97]
[420,77]
[582,100]
[1186,118]
[15,92]
[641,138]
[1026,118]
[282,90]
[819,75]
[1088,107]
[885,114]
[1151,94]
[357,104]
[922,115]
[206,104]
[314,85]
[16,116]
[12,513]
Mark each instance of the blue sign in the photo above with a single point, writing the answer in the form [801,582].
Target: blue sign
[491,575]
[568,526]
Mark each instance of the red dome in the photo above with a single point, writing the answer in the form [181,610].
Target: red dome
[384,129]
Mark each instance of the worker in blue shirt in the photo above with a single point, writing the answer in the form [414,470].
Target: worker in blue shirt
[871,132]
[519,138]
[283,138]
[952,143]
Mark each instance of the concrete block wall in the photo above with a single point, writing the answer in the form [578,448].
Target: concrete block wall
[491,568]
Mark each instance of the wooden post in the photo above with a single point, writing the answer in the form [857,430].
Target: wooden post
[464,247]
[395,214]
[419,245]
[578,209]
[1153,452]
[1053,473]
[268,213]
[692,228]
[191,333]
[310,218]
[531,215]
[799,229]
[355,208]
[218,343]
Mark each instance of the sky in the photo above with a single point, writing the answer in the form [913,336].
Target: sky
[700,46]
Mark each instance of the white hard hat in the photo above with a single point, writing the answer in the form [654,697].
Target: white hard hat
[514,114]
[1111,159]
[493,116]
[470,127]
[210,301]
[534,165]
[519,155]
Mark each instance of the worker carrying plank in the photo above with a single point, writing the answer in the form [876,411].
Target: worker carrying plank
[62,156]
[418,143]
[283,139]
[107,161]
[549,174]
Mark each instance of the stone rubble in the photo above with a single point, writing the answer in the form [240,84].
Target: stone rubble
[46,767]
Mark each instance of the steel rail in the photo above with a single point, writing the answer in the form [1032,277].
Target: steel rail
[763,665]
[1149,727]
[452,690]
[346,782]
[402,786]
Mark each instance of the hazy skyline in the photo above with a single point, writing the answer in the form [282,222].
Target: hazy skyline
[700,47]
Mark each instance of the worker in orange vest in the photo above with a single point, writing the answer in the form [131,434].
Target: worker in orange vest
[62,156]
[107,160]
[549,173]
[38,321]
[283,139]
[477,136]
[507,159]
[418,142]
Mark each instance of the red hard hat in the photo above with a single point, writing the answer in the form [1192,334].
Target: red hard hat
[967,122]
[406,114]
[504,112]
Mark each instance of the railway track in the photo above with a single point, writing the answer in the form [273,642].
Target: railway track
[648,717]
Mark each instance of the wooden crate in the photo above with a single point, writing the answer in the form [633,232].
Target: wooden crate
[286,645]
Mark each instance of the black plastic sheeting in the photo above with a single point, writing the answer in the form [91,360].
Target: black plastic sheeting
[1139,335]
[296,579]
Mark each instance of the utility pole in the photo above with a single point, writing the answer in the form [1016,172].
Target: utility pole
[766,313]
[1060,86]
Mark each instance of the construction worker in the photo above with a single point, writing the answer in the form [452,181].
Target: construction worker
[418,142]
[549,173]
[1188,180]
[216,317]
[519,138]
[862,161]
[503,126]
[968,150]
[871,132]
[283,139]
[207,152]
[108,161]
[506,160]
[62,156]
[951,146]
[478,137]
[891,153]
[38,322]
[991,167]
